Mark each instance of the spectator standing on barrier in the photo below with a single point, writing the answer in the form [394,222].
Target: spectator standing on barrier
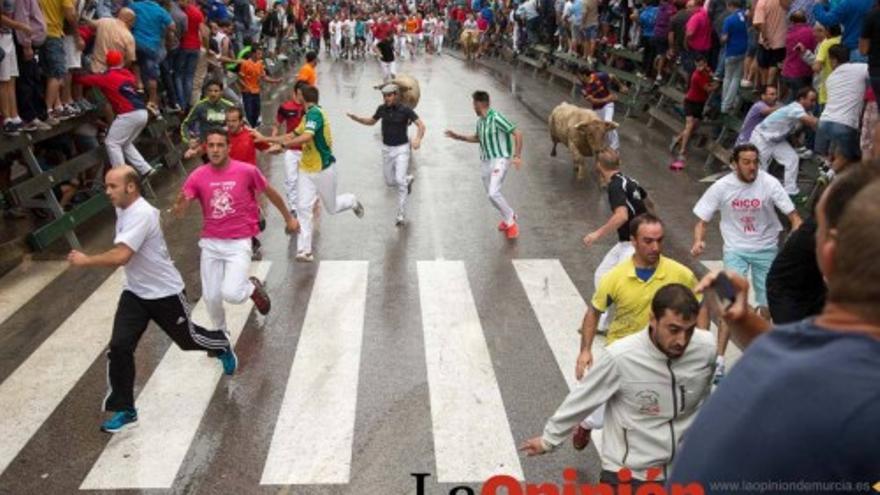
[151,25]
[153,290]
[29,88]
[12,123]
[670,361]
[228,192]
[665,11]
[839,122]
[677,31]
[822,64]
[851,14]
[758,112]
[747,199]
[735,38]
[119,86]
[500,146]
[769,19]
[701,84]
[252,73]
[771,138]
[778,370]
[796,73]
[698,37]
[53,56]
[187,56]
[113,33]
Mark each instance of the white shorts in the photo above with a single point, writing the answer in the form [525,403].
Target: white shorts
[72,56]
[9,65]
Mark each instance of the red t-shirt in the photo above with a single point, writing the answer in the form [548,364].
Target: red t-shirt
[194,18]
[242,147]
[697,90]
[290,113]
[261,5]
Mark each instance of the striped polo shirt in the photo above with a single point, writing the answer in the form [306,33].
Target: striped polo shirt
[494,132]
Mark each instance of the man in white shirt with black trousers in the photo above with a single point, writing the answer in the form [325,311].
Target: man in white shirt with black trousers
[153,290]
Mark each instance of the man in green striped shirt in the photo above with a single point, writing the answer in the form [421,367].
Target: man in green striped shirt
[500,146]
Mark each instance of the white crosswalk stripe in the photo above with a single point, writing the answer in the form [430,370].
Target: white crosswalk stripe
[472,437]
[33,391]
[323,383]
[170,408]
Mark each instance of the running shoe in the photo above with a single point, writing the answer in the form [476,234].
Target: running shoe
[677,165]
[409,182]
[229,360]
[581,438]
[358,209]
[12,128]
[503,226]
[304,257]
[400,220]
[51,120]
[260,297]
[512,231]
[120,420]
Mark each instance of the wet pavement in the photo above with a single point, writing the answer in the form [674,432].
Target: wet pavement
[449,219]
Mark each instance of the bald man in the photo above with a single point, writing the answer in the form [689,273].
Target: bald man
[113,33]
[153,290]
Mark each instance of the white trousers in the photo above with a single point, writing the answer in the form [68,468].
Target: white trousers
[493,172]
[784,154]
[126,127]
[438,43]
[225,264]
[309,188]
[606,113]
[395,163]
[620,252]
[291,171]
[389,69]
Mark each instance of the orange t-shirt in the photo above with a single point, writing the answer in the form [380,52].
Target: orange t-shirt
[307,73]
[412,25]
[250,73]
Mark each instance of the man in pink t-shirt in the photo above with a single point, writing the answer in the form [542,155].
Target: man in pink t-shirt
[698,33]
[228,192]
[796,74]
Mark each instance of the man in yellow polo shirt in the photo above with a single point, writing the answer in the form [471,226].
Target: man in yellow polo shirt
[630,286]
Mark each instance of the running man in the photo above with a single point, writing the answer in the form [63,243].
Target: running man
[497,152]
[153,290]
[227,191]
[317,169]
[385,49]
[290,113]
[396,117]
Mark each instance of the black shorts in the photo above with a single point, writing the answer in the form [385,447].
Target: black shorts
[694,109]
[768,58]
[661,45]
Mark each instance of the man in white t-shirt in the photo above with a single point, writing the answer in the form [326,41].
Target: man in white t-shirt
[839,122]
[749,225]
[770,137]
[153,290]
[335,37]
[439,33]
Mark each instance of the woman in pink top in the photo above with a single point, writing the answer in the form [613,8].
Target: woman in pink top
[796,73]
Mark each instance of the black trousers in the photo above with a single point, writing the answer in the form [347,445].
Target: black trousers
[132,317]
[29,88]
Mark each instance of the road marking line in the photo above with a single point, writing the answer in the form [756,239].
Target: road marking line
[170,408]
[560,311]
[33,391]
[472,437]
[24,282]
[312,442]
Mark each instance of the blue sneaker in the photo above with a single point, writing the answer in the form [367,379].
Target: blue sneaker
[120,420]
[229,360]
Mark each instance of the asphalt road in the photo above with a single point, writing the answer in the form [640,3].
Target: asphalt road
[423,349]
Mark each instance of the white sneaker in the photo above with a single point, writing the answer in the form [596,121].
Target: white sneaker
[304,257]
[400,220]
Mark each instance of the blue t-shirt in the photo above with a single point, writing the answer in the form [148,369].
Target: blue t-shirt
[647,19]
[801,405]
[150,23]
[488,15]
[737,34]
[576,13]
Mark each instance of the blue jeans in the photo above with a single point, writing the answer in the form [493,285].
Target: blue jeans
[856,56]
[759,262]
[251,107]
[733,70]
[842,137]
[184,63]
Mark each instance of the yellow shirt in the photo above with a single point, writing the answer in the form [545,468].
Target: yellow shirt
[632,297]
[822,58]
[53,12]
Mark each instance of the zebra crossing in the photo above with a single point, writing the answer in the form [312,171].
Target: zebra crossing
[472,435]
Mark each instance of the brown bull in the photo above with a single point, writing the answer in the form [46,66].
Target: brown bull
[581,130]
[469,40]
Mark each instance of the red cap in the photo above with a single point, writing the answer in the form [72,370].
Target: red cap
[114,58]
